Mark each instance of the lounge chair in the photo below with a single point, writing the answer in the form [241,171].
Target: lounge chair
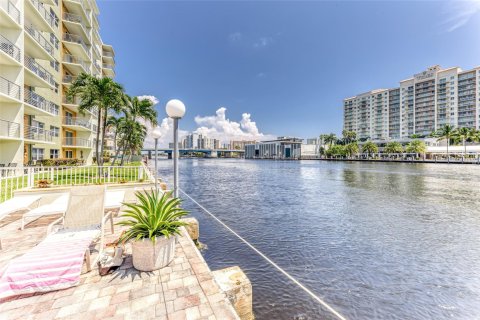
[58,206]
[17,204]
[56,262]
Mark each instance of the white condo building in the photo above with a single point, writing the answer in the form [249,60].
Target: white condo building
[420,105]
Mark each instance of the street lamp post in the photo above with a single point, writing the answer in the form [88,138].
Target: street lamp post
[175,110]
[156,135]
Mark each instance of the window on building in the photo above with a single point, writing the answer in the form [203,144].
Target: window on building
[55,131]
[54,153]
[37,153]
[69,154]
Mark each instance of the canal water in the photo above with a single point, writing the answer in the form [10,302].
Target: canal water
[374,240]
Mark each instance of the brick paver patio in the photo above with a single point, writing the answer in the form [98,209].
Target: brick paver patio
[183,290]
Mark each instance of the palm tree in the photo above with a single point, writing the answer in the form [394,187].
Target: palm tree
[446,133]
[369,147]
[463,134]
[349,136]
[330,139]
[393,147]
[351,149]
[116,124]
[416,146]
[102,95]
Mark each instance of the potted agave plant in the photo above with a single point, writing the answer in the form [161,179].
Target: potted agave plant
[154,222]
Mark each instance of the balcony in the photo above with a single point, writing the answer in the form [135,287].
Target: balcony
[76,45]
[10,16]
[75,64]
[108,69]
[68,79]
[9,91]
[96,51]
[40,16]
[37,45]
[35,104]
[77,7]
[75,24]
[32,134]
[9,130]
[73,105]
[78,124]
[10,54]
[73,142]
[36,75]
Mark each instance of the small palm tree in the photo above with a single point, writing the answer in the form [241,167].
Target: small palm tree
[416,146]
[330,139]
[393,147]
[351,149]
[369,148]
[463,134]
[446,133]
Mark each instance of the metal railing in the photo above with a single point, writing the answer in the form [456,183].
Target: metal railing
[108,66]
[77,142]
[74,59]
[39,102]
[9,129]
[67,78]
[96,51]
[17,178]
[37,134]
[9,88]
[75,18]
[69,37]
[108,54]
[40,71]
[9,48]
[75,121]
[44,43]
[10,8]
[44,13]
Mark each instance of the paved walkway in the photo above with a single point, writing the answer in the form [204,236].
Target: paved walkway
[183,290]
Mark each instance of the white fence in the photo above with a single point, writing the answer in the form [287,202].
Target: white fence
[12,179]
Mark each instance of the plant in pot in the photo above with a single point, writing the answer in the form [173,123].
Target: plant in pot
[154,222]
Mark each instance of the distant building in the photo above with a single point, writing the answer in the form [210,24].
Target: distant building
[239,144]
[421,104]
[199,141]
[310,149]
[281,148]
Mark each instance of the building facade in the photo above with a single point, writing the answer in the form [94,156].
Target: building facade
[282,148]
[44,45]
[199,141]
[420,105]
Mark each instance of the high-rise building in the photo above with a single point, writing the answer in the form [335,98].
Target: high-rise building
[420,105]
[44,45]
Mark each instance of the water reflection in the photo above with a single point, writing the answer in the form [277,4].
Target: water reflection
[397,241]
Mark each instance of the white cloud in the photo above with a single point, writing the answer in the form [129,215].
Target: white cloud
[166,129]
[151,98]
[219,127]
[234,37]
[460,13]
[263,42]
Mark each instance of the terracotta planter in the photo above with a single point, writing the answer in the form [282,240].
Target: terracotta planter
[147,256]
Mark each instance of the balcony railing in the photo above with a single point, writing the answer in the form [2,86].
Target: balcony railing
[77,142]
[108,54]
[40,71]
[12,11]
[67,78]
[9,129]
[76,102]
[9,48]
[74,121]
[44,13]
[75,18]
[9,88]
[73,59]
[44,43]
[76,39]
[108,66]
[39,102]
[37,134]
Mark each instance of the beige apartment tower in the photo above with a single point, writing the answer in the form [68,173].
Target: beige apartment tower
[44,45]
[422,104]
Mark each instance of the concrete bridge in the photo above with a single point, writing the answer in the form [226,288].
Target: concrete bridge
[211,153]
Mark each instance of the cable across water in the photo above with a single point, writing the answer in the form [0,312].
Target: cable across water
[298,283]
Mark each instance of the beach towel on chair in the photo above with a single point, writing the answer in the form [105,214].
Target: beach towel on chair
[54,264]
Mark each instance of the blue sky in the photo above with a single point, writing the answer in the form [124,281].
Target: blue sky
[288,63]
